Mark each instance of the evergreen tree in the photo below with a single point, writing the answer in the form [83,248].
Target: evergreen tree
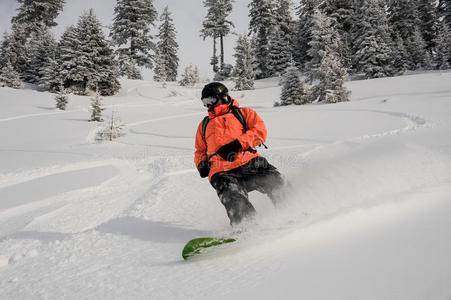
[281,39]
[9,77]
[324,35]
[17,42]
[216,25]
[416,47]
[51,78]
[372,50]
[7,53]
[167,61]
[94,62]
[443,47]
[293,90]
[444,8]
[67,55]
[400,56]
[325,68]
[160,71]
[245,65]
[305,11]
[61,98]
[8,59]
[131,34]
[35,15]
[96,108]
[111,130]
[285,22]
[190,76]
[333,75]
[42,47]
[32,19]
[261,25]
[403,18]
[428,22]
[280,56]
[342,13]
[209,30]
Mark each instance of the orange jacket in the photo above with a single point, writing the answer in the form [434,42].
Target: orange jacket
[222,129]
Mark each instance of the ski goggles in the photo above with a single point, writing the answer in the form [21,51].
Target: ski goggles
[209,101]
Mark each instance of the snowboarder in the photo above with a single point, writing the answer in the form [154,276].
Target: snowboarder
[225,152]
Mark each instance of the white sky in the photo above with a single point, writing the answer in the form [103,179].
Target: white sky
[187,15]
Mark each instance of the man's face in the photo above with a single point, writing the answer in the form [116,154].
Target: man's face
[213,104]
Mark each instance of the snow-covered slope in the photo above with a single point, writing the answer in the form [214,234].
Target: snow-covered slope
[369,218]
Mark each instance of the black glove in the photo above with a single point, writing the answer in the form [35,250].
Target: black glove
[204,168]
[228,152]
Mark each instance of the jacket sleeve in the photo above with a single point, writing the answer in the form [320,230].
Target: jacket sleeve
[256,130]
[200,152]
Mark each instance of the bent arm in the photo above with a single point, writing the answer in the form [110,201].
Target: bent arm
[256,133]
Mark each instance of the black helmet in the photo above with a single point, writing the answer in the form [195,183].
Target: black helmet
[214,89]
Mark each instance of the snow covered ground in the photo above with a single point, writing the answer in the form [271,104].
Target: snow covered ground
[370,217]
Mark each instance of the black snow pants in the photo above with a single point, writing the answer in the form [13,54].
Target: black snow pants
[233,186]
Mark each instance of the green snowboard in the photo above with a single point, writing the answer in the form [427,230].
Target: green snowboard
[196,246]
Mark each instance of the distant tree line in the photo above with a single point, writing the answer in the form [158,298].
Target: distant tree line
[328,40]
[84,60]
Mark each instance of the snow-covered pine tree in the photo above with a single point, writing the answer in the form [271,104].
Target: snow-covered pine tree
[94,62]
[443,47]
[41,47]
[61,98]
[280,54]
[167,61]
[33,16]
[96,108]
[209,30]
[7,55]
[324,35]
[332,81]
[371,40]
[190,76]
[305,12]
[427,14]
[37,14]
[128,67]
[416,48]
[8,58]
[67,55]
[261,25]
[51,78]
[112,129]
[245,65]
[342,13]
[293,90]
[224,26]
[325,69]
[217,26]
[444,9]
[108,80]
[160,72]
[18,41]
[9,77]
[400,56]
[403,18]
[130,32]
[285,22]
